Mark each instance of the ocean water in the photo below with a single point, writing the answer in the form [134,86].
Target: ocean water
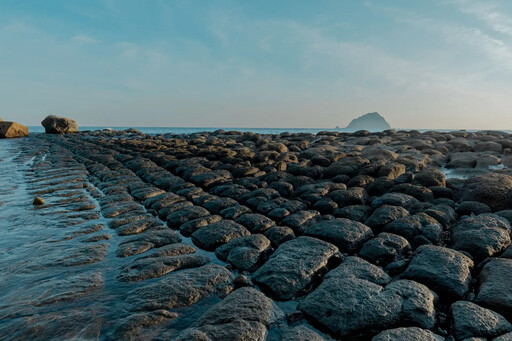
[263,131]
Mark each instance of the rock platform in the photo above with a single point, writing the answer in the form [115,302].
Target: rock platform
[240,236]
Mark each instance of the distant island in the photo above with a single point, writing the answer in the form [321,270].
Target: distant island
[370,121]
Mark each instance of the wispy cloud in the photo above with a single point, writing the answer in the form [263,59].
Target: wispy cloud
[85,39]
[488,12]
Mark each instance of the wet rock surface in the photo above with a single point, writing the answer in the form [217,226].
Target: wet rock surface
[231,235]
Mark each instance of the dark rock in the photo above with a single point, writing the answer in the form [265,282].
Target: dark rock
[471,320]
[146,241]
[481,236]
[279,234]
[495,291]
[301,333]
[178,218]
[193,225]
[294,265]
[398,199]
[430,177]
[384,215]
[299,221]
[243,252]
[445,271]
[182,288]
[385,248]
[354,212]
[462,160]
[420,224]
[472,207]
[38,201]
[349,303]
[493,189]
[152,267]
[407,333]
[245,314]
[325,206]
[350,196]
[213,235]
[347,235]
[59,125]
[256,223]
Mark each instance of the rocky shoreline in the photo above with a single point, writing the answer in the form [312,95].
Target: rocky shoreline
[398,235]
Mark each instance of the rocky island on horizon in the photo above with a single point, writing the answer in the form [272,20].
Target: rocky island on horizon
[371,121]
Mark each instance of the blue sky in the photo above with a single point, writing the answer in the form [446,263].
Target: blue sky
[421,64]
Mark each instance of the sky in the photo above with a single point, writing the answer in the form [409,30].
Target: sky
[431,64]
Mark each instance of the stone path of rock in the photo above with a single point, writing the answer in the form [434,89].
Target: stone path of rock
[232,236]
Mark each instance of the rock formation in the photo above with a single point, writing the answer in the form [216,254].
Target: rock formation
[59,125]
[370,121]
[12,129]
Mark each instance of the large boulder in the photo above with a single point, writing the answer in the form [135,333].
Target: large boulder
[409,334]
[59,125]
[471,320]
[355,299]
[12,129]
[243,315]
[495,291]
[481,236]
[446,271]
[294,265]
[493,189]
[347,235]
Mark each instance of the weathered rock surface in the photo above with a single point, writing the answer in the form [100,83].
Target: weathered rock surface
[352,303]
[493,189]
[12,129]
[245,314]
[481,236]
[443,270]
[407,333]
[471,320]
[214,235]
[346,234]
[495,291]
[59,125]
[182,289]
[294,265]
[243,252]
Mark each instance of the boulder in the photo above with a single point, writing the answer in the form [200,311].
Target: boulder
[481,236]
[495,291]
[446,271]
[301,333]
[385,248]
[407,333]
[354,300]
[213,235]
[182,288]
[347,235]
[420,224]
[59,125]
[12,129]
[245,314]
[294,265]
[244,252]
[471,320]
[493,189]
